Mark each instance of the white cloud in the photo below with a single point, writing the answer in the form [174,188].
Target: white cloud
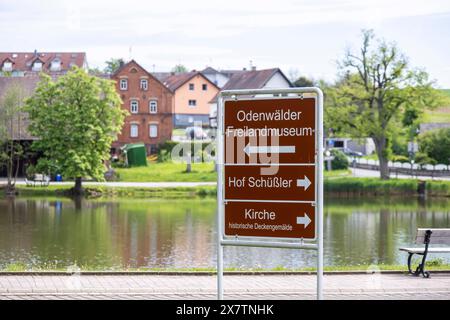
[200,32]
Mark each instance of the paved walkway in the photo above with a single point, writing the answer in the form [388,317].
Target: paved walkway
[353,286]
[21,182]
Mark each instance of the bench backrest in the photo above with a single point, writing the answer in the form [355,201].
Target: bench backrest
[438,236]
[39,177]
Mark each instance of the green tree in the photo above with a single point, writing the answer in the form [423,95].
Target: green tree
[11,151]
[436,145]
[375,87]
[113,64]
[76,118]
[179,68]
[304,82]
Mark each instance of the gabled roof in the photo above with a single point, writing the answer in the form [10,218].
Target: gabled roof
[209,70]
[126,65]
[22,61]
[161,76]
[175,81]
[253,79]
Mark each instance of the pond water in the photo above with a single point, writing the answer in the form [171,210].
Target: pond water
[117,233]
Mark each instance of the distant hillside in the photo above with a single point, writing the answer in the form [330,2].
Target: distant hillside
[446,91]
[440,114]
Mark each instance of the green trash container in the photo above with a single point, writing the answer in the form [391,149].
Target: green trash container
[136,154]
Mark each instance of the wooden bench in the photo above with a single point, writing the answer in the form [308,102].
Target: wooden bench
[42,179]
[428,237]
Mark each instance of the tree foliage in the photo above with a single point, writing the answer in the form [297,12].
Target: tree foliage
[11,151]
[113,64]
[376,90]
[179,68]
[304,82]
[436,145]
[76,118]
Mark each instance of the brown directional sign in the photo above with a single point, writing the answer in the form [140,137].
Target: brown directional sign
[295,183]
[270,167]
[250,125]
[268,219]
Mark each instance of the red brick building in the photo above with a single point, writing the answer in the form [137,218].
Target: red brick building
[149,104]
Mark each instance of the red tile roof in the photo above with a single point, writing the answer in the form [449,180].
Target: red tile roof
[175,81]
[23,61]
[253,79]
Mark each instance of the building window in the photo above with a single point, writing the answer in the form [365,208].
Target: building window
[123,84]
[7,66]
[55,65]
[153,148]
[191,86]
[37,66]
[144,84]
[153,130]
[134,130]
[204,87]
[153,106]
[134,106]
[192,103]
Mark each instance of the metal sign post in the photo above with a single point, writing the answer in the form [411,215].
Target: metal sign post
[270,172]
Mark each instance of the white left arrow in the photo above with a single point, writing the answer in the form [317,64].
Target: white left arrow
[268,149]
[305,220]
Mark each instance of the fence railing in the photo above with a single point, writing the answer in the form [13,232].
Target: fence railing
[403,167]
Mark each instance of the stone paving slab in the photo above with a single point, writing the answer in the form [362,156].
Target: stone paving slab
[348,286]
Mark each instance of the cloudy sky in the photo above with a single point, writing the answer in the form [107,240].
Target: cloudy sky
[307,36]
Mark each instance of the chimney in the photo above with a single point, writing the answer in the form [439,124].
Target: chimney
[253,68]
[35,52]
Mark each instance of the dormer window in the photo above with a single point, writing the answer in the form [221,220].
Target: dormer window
[37,66]
[55,65]
[7,66]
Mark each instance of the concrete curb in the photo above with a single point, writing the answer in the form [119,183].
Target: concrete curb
[199,273]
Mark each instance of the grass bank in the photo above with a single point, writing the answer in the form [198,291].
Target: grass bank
[340,186]
[176,172]
[432,265]
[168,172]
[352,186]
[111,192]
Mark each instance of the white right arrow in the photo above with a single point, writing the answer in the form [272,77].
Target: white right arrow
[305,220]
[305,183]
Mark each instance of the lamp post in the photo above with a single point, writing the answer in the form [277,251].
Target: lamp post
[328,158]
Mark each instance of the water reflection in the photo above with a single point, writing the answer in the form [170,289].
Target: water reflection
[118,233]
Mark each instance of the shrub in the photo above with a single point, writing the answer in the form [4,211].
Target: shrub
[435,144]
[400,158]
[30,172]
[340,160]
[422,159]
[165,149]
